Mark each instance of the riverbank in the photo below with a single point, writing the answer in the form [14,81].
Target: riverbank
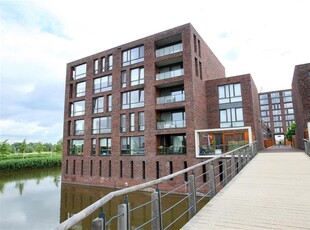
[14,162]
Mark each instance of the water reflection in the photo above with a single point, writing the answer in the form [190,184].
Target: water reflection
[30,199]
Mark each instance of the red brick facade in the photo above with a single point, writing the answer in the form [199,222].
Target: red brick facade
[115,169]
[301,99]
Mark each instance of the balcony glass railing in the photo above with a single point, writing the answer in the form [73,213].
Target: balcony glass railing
[171,150]
[171,99]
[171,124]
[170,74]
[169,50]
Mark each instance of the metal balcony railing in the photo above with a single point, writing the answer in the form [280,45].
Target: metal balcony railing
[169,50]
[170,74]
[171,99]
[198,185]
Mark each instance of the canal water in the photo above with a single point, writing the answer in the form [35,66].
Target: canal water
[36,199]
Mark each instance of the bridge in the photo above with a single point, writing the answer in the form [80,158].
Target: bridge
[269,190]
[272,192]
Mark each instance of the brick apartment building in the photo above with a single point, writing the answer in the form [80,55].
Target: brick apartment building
[276,110]
[301,99]
[131,111]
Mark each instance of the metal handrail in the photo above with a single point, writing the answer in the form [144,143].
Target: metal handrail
[307,146]
[98,204]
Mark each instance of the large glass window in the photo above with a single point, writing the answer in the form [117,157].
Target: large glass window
[132,145]
[79,71]
[103,84]
[123,122]
[276,112]
[263,101]
[105,146]
[79,127]
[98,105]
[287,93]
[133,56]
[77,108]
[229,93]
[288,105]
[287,99]
[132,122]
[80,89]
[141,121]
[264,107]
[231,117]
[110,60]
[263,96]
[275,100]
[133,99]
[76,147]
[102,125]
[273,95]
[277,124]
[137,76]
[103,64]
[172,144]
[289,117]
[124,79]
[265,119]
[172,119]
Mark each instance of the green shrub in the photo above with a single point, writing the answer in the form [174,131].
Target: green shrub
[30,163]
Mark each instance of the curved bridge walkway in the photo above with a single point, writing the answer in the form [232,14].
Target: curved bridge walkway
[271,192]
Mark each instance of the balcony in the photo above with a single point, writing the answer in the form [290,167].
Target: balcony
[171,124]
[169,50]
[171,99]
[171,150]
[170,74]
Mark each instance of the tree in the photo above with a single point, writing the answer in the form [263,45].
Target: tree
[290,132]
[58,147]
[22,146]
[4,147]
[39,147]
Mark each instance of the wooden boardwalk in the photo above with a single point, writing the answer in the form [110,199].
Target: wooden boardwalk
[271,192]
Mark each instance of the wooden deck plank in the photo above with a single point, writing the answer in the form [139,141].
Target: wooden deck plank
[271,192]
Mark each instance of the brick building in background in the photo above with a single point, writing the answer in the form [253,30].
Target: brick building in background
[301,100]
[276,110]
[131,111]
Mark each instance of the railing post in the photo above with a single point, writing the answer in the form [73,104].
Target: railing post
[233,165]
[123,221]
[192,195]
[100,222]
[239,162]
[157,222]
[224,163]
[212,179]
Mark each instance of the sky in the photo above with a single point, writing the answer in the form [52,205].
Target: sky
[265,38]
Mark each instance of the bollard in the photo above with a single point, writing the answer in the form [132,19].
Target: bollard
[157,223]
[192,196]
[212,179]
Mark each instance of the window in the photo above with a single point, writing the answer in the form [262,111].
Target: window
[137,76]
[76,147]
[196,67]
[289,117]
[199,48]
[95,66]
[277,124]
[288,105]
[141,121]
[93,148]
[102,64]
[200,70]
[276,112]
[102,125]
[105,146]
[287,99]
[77,108]
[277,118]
[109,98]
[265,119]
[265,113]
[79,127]
[172,119]
[80,89]
[275,100]
[263,96]
[79,71]
[98,105]
[287,93]
[276,106]
[133,99]
[133,56]
[273,95]
[172,144]
[132,122]
[110,58]
[231,117]
[132,145]
[278,130]
[123,123]
[124,79]
[103,84]
[264,107]
[195,43]
[263,101]
[229,93]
